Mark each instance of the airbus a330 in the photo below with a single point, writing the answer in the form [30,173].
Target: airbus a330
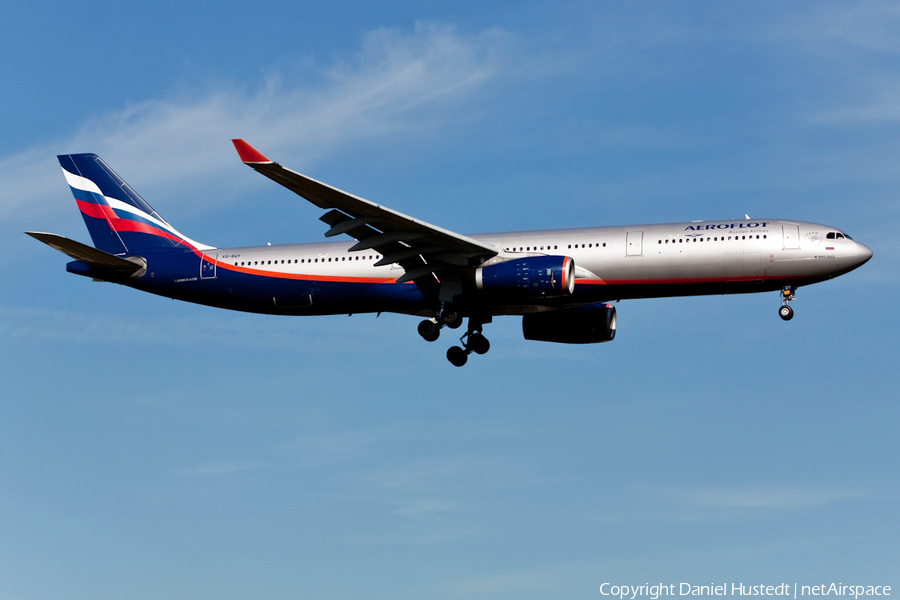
[561,281]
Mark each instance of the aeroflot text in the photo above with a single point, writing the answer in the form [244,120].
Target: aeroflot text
[739,589]
[724,226]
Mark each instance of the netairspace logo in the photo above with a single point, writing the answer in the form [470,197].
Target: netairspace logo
[654,592]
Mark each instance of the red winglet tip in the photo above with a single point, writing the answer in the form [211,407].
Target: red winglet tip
[248,153]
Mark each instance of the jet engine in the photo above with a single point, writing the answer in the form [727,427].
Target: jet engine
[591,324]
[541,276]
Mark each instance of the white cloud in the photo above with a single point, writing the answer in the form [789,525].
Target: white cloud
[325,334]
[761,498]
[375,93]
[880,106]
[870,25]
[213,469]
[703,504]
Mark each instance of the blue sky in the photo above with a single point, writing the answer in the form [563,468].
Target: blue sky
[154,449]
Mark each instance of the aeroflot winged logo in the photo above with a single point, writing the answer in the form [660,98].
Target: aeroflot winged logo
[725,226]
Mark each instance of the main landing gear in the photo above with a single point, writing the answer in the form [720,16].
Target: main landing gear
[472,341]
[787,294]
[430,329]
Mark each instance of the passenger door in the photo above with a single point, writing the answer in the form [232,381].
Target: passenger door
[207,268]
[634,241]
[791,236]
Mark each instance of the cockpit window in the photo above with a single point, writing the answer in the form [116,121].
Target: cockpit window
[840,236]
[830,235]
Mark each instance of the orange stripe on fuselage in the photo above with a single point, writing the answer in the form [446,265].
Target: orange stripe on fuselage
[300,276]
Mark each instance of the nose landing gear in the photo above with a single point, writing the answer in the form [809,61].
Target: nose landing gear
[787,294]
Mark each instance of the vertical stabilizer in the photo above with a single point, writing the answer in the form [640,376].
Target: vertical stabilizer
[118,219]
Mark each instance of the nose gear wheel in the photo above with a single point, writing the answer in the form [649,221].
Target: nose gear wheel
[785,311]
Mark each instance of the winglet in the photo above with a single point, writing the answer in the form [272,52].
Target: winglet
[248,154]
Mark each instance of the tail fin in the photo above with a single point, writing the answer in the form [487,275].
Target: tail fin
[118,219]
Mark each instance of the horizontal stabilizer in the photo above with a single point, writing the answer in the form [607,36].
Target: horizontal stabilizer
[87,255]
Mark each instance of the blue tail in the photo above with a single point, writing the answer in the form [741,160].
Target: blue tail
[118,219]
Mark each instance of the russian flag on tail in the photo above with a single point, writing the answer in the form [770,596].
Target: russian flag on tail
[118,219]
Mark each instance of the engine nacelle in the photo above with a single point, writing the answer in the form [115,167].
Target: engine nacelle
[590,324]
[530,276]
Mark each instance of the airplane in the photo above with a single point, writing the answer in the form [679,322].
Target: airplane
[561,282]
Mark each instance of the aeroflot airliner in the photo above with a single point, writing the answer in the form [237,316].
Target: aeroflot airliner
[560,281]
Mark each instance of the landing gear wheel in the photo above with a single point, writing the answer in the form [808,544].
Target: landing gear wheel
[786,312]
[457,356]
[478,344]
[451,318]
[429,330]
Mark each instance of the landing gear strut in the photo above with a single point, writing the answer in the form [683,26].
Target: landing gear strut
[472,341]
[787,294]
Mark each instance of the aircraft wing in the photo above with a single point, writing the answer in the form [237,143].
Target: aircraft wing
[423,250]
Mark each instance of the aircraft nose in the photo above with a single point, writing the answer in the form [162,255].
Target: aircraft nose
[863,253]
